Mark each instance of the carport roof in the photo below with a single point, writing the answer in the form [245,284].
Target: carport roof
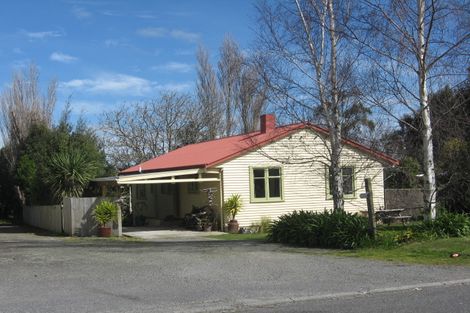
[215,152]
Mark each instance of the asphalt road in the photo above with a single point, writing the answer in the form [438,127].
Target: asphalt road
[53,274]
[436,299]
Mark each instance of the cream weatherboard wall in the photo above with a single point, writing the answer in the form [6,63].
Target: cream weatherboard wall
[302,157]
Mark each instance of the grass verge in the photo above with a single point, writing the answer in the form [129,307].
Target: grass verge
[4,221]
[419,252]
[240,237]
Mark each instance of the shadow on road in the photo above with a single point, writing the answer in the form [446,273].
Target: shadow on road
[25,229]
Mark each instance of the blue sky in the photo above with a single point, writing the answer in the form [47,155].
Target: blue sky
[104,53]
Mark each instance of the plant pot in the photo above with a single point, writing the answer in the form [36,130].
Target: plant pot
[207,227]
[233,227]
[104,231]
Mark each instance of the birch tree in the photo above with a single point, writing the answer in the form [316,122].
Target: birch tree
[415,45]
[309,64]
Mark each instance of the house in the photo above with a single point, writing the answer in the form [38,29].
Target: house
[275,170]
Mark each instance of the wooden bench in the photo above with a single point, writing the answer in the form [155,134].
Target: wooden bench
[389,219]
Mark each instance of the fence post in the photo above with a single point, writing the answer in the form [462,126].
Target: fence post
[370,208]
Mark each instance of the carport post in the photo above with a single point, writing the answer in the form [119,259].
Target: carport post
[130,205]
[221,196]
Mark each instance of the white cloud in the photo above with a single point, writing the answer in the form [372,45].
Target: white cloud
[180,87]
[159,32]
[43,35]
[81,13]
[111,83]
[111,13]
[174,67]
[146,16]
[88,107]
[62,57]
[183,35]
[184,52]
[112,43]
[179,13]
[23,63]
[152,32]
[120,84]
[117,42]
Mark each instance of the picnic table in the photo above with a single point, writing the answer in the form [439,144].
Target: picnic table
[391,215]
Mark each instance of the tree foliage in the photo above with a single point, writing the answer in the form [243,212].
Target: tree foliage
[450,112]
[21,107]
[310,65]
[54,162]
[414,47]
[70,172]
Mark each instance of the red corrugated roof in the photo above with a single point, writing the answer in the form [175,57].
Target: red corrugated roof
[214,152]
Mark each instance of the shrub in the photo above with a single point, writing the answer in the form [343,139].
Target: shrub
[387,238]
[265,225]
[105,212]
[446,224]
[233,205]
[326,229]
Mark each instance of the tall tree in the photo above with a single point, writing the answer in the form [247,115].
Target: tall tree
[415,46]
[252,95]
[229,73]
[22,105]
[309,63]
[134,134]
[208,95]
[450,116]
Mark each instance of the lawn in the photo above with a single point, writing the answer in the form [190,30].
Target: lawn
[435,251]
[240,237]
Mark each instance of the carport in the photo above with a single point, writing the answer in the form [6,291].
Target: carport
[173,192]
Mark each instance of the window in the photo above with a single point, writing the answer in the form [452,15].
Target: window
[266,184]
[348,181]
[193,187]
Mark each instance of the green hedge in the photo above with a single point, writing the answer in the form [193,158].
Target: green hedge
[320,229]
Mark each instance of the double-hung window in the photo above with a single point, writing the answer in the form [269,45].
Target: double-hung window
[266,184]
[347,173]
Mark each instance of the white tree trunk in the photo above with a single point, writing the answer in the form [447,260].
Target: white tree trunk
[335,124]
[428,155]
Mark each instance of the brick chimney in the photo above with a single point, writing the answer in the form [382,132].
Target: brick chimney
[267,123]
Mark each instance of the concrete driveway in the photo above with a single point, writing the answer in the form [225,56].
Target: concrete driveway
[53,274]
[161,234]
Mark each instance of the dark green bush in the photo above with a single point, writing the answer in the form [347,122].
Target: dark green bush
[320,229]
[446,224]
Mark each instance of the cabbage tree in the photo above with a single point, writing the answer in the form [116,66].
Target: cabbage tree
[70,172]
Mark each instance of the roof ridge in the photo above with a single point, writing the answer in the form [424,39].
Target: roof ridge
[210,153]
[253,133]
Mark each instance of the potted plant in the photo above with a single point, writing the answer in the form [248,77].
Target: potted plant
[232,207]
[105,212]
